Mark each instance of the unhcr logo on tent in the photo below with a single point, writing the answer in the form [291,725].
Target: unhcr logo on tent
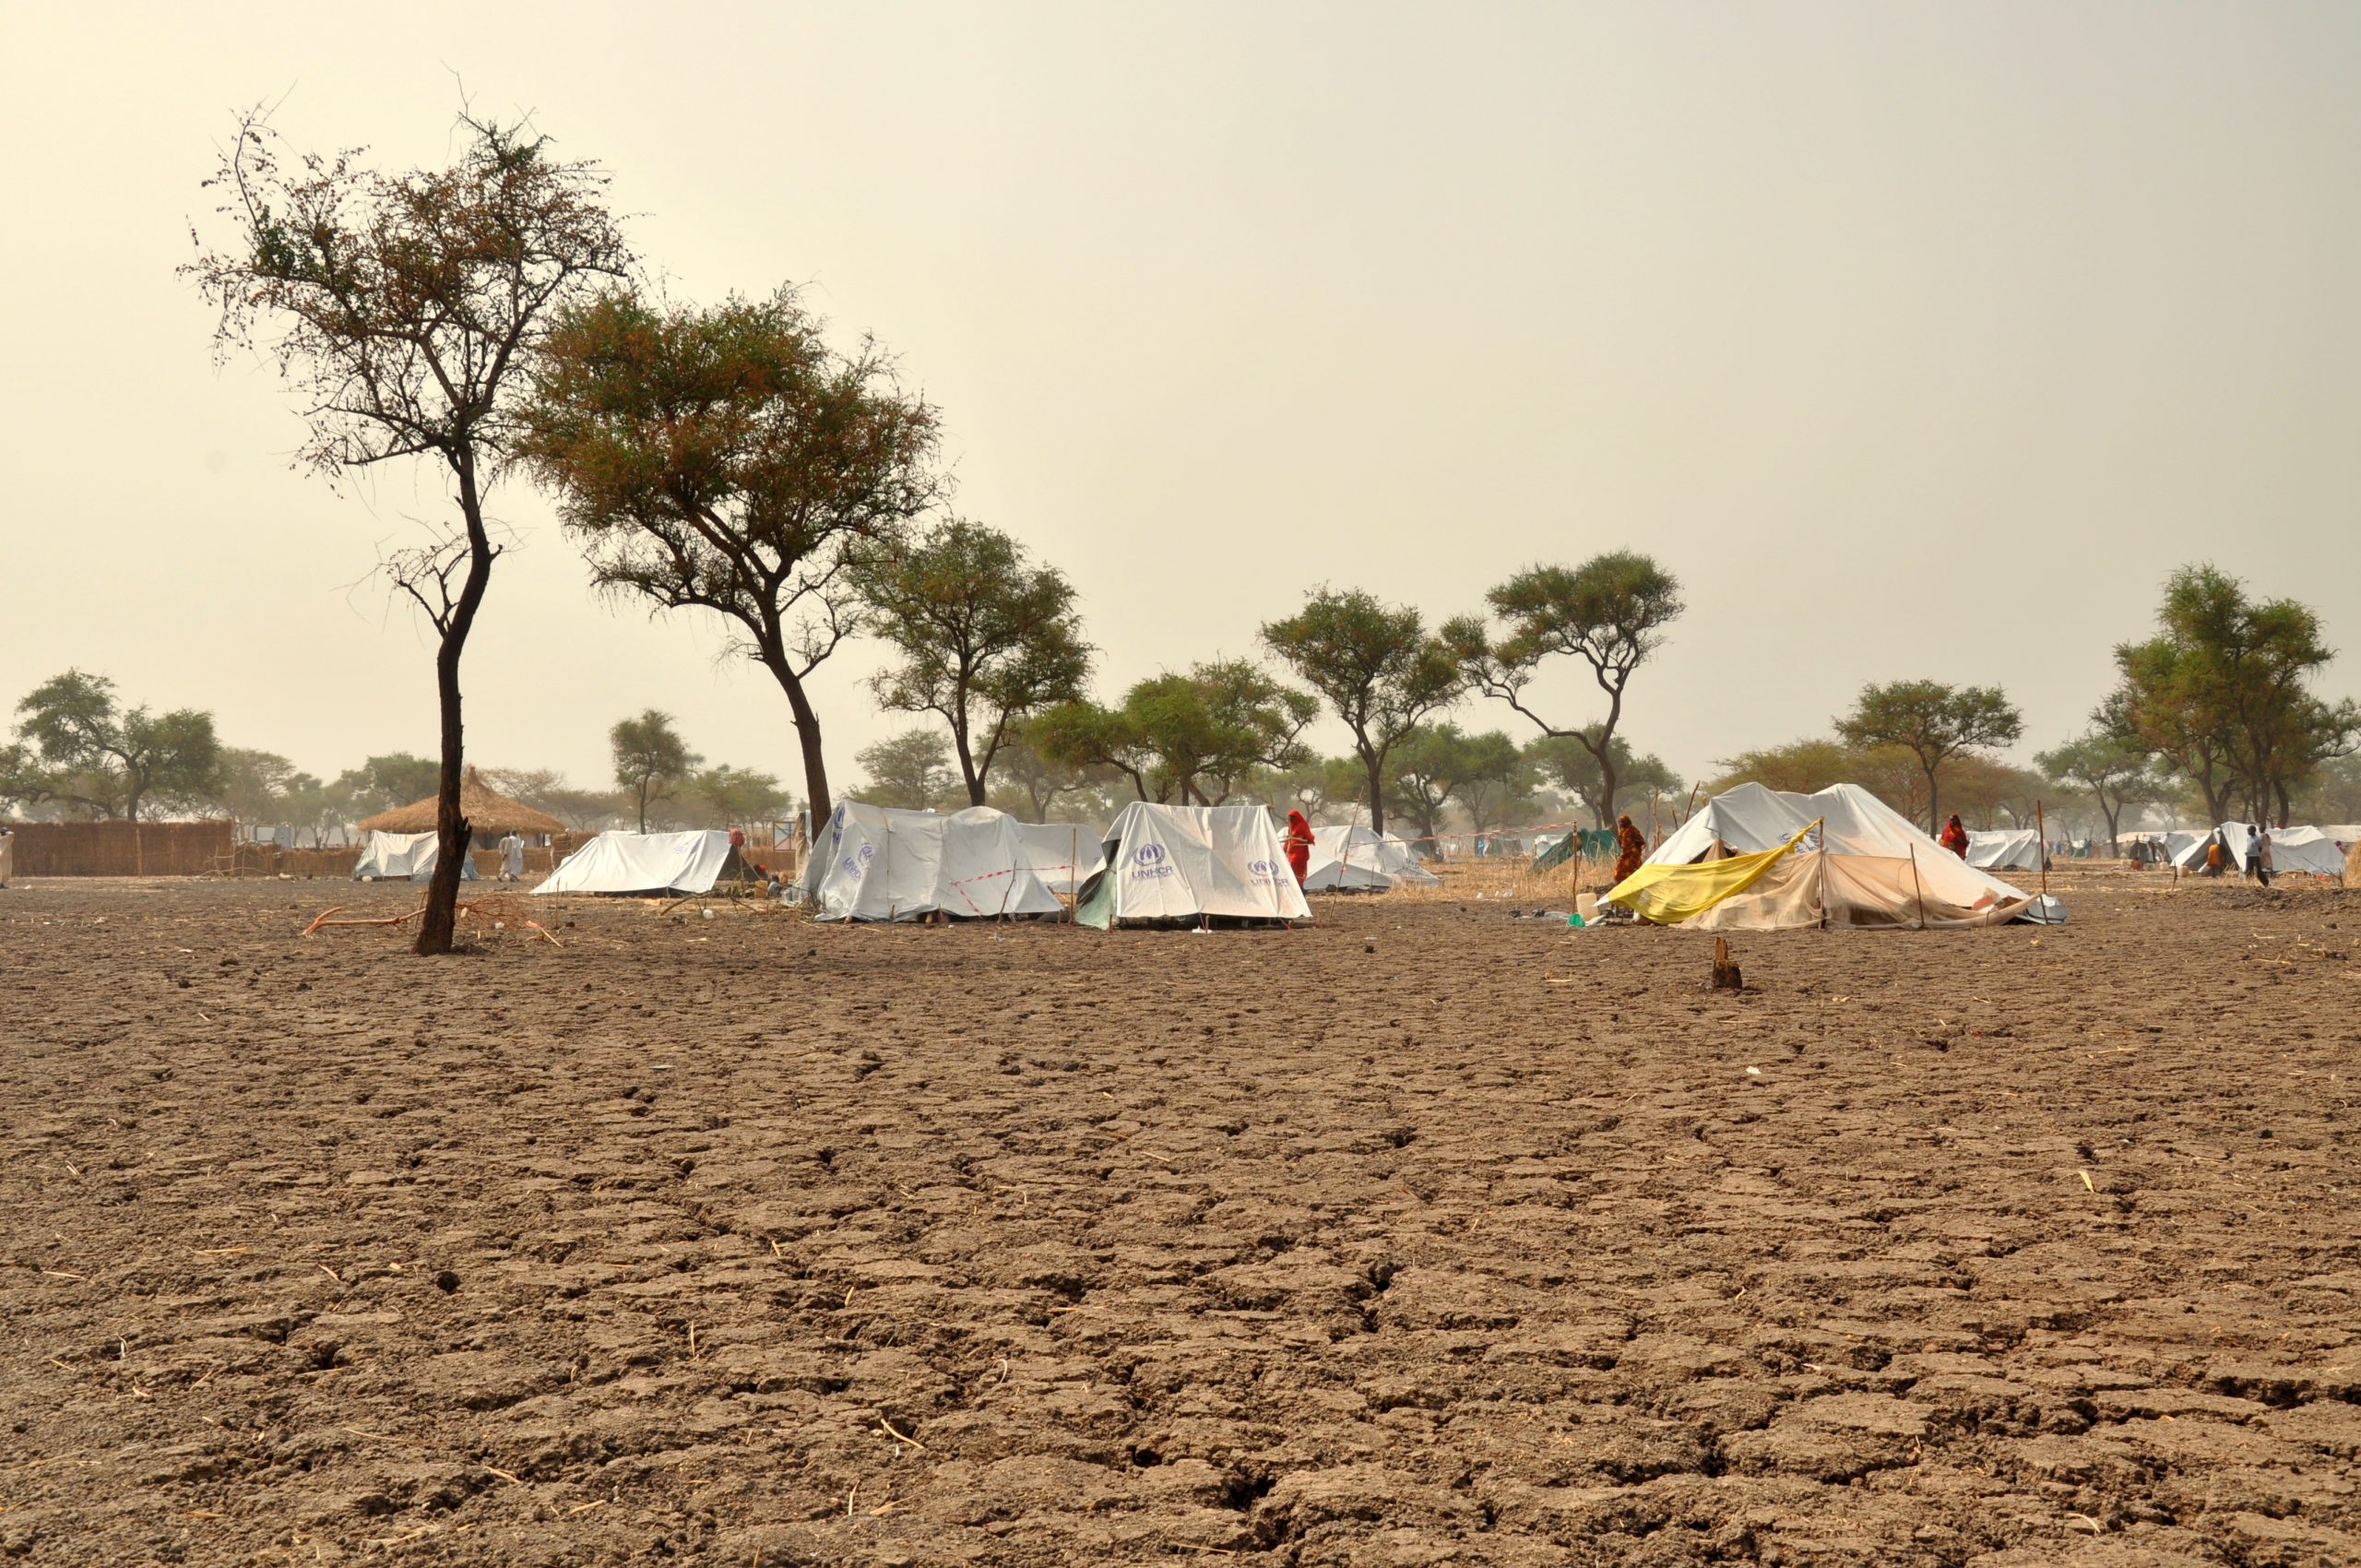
[1263,871]
[856,865]
[1148,861]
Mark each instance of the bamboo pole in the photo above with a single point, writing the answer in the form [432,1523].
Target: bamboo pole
[2041,831]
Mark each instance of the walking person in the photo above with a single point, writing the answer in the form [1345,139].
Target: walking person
[1954,836]
[1630,849]
[2259,855]
[512,857]
[1299,846]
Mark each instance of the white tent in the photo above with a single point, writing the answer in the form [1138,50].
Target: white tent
[2014,848]
[397,856]
[1897,860]
[1187,862]
[1064,854]
[1353,858]
[2313,850]
[875,863]
[643,862]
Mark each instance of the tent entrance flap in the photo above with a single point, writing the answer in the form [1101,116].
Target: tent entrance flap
[1666,895]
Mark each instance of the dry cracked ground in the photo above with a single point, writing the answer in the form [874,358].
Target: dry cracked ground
[1426,1236]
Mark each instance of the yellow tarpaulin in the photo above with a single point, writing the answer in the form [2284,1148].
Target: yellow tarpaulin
[1670,893]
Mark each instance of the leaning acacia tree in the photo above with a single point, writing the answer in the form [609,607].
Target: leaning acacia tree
[403,308]
[1610,612]
[728,459]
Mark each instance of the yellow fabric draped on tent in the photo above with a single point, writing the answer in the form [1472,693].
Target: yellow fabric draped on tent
[1666,895]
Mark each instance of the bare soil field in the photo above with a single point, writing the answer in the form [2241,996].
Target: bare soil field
[1426,1235]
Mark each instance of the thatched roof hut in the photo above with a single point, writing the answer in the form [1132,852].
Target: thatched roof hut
[486,809]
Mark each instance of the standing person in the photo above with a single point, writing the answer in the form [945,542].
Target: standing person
[1954,836]
[8,853]
[2259,854]
[2216,858]
[1299,846]
[1630,849]
[512,857]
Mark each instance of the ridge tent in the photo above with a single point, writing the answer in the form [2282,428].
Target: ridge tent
[1191,862]
[877,863]
[1353,858]
[1867,866]
[643,862]
[397,857]
[2013,849]
[1064,854]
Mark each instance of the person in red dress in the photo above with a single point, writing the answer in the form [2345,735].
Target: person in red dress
[1954,836]
[1630,849]
[1299,846]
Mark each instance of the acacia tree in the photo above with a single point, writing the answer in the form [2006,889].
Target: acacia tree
[1565,762]
[1436,764]
[1934,722]
[95,753]
[1194,735]
[1609,612]
[911,771]
[984,638]
[651,760]
[2112,771]
[403,308]
[728,459]
[1379,668]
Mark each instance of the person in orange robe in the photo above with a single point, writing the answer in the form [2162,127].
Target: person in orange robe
[1954,836]
[1630,847]
[1299,847]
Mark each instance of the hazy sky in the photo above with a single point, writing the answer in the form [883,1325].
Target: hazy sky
[1918,340]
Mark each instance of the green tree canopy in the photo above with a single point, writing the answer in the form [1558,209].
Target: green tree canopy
[1378,666]
[1192,736]
[651,760]
[730,460]
[2222,694]
[1610,613]
[1571,763]
[733,797]
[1934,722]
[910,771]
[2111,770]
[81,747]
[1438,765]
[983,637]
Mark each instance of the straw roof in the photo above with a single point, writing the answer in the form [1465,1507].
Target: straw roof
[486,809]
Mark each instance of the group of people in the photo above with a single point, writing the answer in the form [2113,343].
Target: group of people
[2217,854]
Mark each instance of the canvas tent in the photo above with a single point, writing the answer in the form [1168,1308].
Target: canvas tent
[2013,849]
[876,863]
[1190,863]
[397,856]
[2310,849]
[1353,858]
[1840,857]
[643,862]
[1064,854]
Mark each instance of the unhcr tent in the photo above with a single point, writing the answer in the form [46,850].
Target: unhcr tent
[1064,854]
[2310,849]
[395,857]
[1353,858]
[2015,848]
[1837,857]
[643,862]
[875,863]
[1191,863]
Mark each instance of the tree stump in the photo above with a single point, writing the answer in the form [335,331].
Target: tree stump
[1725,974]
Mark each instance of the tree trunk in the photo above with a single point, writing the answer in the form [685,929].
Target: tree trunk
[2114,844]
[1375,765]
[807,735]
[967,774]
[1934,807]
[438,923]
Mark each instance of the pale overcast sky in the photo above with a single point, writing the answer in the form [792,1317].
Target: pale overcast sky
[1919,341]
